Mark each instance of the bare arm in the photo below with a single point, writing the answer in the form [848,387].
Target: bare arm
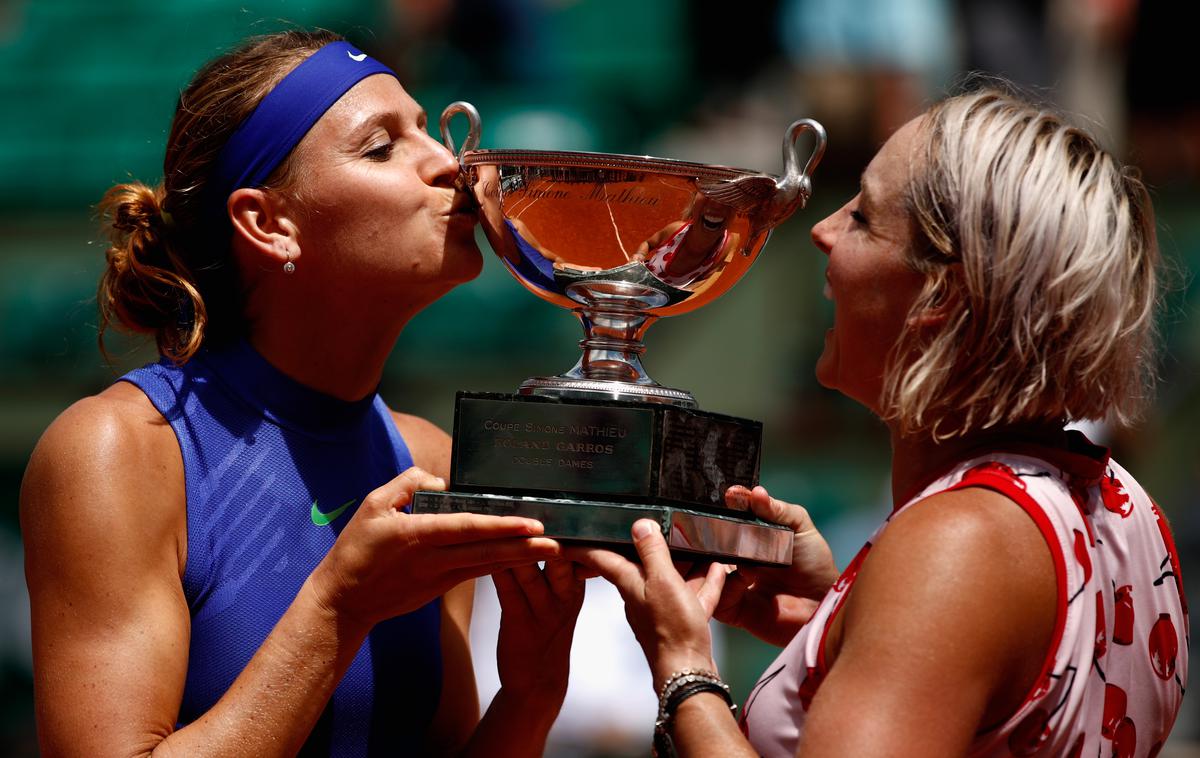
[948,623]
[102,521]
[539,608]
[102,518]
[670,618]
[427,443]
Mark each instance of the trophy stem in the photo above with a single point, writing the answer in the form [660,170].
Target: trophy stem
[611,364]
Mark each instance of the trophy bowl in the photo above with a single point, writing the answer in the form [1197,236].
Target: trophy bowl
[623,240]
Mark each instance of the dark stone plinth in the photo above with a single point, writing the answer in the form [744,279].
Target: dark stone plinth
[587,469]
[596,449]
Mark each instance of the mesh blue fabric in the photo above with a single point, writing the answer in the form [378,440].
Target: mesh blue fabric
[259,449]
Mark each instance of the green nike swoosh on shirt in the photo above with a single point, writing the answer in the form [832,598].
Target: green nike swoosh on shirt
[325,519]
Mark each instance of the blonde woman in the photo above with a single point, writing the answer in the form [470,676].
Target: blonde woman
[994,278]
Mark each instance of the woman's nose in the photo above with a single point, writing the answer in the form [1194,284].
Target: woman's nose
[823,234]
[440,166]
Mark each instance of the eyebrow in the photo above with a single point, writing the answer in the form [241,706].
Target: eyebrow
[382,119]
[371,122]
[863,189]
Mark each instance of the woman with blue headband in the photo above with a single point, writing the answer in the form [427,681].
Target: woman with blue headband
[219,555]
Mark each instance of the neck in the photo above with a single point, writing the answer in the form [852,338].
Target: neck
[339,350]
[918,459]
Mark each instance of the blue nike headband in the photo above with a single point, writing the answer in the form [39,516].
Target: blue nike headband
[286,114]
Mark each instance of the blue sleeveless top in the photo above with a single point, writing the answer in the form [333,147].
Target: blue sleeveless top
[274,470]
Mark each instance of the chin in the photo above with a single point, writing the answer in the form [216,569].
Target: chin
[466,264]
[826,367]
[825,378]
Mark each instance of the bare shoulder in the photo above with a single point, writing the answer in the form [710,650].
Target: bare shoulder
[427,442]
[103,519]
[969,571]
[109,458]
[975,528]
[970,552]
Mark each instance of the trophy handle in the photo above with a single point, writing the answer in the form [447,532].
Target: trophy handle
[473,129]
[767,200]
[795,187]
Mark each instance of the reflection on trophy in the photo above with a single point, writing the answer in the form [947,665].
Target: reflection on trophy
[621,241]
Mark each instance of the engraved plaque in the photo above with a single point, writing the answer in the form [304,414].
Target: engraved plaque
[600,449]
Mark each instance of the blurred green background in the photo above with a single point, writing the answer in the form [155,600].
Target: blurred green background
[88,90]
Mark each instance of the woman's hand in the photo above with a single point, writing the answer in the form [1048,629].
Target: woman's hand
[668,615]
[387,562]
[539,608]
[772,603]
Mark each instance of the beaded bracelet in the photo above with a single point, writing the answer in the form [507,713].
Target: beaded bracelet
[679,687]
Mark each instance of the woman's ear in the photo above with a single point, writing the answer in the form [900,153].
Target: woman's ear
[262,229]
[945,306]
[931,318]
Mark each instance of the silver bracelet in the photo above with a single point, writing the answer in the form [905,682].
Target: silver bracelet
[679,687]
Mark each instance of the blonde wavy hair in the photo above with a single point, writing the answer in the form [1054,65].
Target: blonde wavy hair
[1040,251]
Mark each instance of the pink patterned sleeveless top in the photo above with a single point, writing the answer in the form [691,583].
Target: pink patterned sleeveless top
[1115,673]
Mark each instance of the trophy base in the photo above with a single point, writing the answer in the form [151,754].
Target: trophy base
[600,449]
[591,389]
[731,537]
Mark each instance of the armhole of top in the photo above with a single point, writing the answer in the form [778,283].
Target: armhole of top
[854,566]
[1005,486]
[145,380]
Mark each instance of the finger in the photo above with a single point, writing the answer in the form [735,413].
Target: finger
[583,572]
[710,587]
[459,528]
[768,508]
[456,576]
[508,592]
[623,573]
[737,497]
[493,555]
[397,493]
[733,596]
[702,569]
[652,549]
[533,586]
[562,578]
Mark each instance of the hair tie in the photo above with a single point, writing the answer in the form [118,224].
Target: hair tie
[286,114]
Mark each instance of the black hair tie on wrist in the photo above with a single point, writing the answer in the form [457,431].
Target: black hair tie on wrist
[679,687]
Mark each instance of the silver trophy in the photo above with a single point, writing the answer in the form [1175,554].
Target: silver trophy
[620,241]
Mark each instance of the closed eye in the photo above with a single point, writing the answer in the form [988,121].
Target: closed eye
[858,217]
[380,153]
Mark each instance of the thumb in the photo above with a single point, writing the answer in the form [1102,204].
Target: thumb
[652,547]
[397,493]
[779,512]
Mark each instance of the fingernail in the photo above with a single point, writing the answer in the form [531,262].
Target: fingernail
[643,529]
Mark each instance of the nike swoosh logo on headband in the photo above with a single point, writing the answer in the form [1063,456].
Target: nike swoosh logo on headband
[360,57]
